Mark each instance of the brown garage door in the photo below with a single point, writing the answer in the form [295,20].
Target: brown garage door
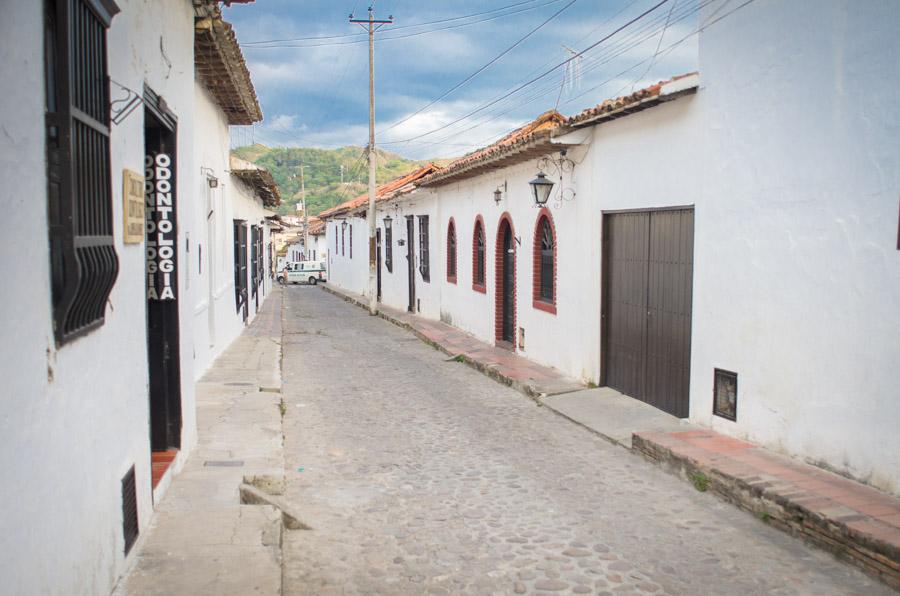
[648,274]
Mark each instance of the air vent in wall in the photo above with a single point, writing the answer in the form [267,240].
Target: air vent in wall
[129,510]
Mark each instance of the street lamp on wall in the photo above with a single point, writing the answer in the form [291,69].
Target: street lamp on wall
[344,225]
[387,221]
[540,189]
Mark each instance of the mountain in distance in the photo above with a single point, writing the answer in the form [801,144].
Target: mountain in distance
[322,172]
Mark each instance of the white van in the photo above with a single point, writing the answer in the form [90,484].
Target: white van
[310,272]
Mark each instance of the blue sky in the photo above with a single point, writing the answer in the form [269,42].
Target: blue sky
[314,92]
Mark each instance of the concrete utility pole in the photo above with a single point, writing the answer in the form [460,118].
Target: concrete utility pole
[371,25]
[305,216]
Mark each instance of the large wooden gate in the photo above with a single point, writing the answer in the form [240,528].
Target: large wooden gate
[647,292]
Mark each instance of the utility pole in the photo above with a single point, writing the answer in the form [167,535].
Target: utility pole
[372,25]
[305,216]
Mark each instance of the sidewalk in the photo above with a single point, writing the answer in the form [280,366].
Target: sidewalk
[853,521]
[202,540]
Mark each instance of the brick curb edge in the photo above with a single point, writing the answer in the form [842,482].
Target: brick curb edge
[873,556]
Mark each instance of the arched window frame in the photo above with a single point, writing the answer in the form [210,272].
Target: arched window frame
[452,261]
[539,301]
[479,286]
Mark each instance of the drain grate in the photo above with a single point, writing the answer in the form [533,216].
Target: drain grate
[130,526]
[234,463]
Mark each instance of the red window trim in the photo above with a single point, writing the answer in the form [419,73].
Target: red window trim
[451,225]
[536,301]
[478,287]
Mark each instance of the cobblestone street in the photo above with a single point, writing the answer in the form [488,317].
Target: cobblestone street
[419,475]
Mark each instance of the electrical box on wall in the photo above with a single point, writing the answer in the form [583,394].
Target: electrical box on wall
[725,394]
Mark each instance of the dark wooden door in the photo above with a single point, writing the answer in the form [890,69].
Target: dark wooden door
[411,262]
[648,277]
[509,285]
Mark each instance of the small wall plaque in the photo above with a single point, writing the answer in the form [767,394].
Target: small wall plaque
[133,207]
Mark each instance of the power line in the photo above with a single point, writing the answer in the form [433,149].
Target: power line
[389,38]
[539,77]
[483,68]
[468,16]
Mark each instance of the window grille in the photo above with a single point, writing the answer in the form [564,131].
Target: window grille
[423,248]
[451,252]
[478,249]
[240,264]
[254,258]
[343,241]
[351,241]
[546,261]
[83,260]
[389,248]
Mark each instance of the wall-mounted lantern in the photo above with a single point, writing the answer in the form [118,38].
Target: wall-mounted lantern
[387,221]
[344,225]
[499,192]
[540,189]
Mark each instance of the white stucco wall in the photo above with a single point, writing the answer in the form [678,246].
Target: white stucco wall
[75,419]
[213,272]
[797,272]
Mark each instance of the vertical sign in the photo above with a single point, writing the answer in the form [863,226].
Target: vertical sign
[160,223]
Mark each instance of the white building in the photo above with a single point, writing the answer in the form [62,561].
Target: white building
[106,327]
[738,225]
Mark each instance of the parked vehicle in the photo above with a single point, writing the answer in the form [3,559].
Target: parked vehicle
[309,272]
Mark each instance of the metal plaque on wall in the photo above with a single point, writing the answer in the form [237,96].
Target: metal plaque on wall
[132,207]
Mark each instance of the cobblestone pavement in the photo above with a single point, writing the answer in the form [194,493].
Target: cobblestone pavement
[422,476]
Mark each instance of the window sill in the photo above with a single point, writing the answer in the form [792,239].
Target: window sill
[479,288]
[544,306]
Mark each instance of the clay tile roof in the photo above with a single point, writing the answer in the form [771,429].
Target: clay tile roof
[639,100]
[521,144]
[220,65]
[260,179]
[386,191]
[316,228]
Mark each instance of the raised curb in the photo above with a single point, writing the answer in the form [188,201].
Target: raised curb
[761,497]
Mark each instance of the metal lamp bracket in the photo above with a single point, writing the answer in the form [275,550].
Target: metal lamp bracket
[562,166]
[120,109]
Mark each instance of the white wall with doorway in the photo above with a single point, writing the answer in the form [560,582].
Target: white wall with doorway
[76,416]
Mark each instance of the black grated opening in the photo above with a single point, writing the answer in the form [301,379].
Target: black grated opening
[129,510]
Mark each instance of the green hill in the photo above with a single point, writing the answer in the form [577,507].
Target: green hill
[322,172]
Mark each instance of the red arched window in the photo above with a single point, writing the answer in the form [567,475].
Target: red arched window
[544,276]
[451,251]
[478,250]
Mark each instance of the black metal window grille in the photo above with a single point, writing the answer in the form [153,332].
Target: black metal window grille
[451,251]
[343,240]
[130,526]
[240,264]
[351,241]
[389,248]
[546,261]
[725,388]
[260,259]
[83,260]
[335,240]
[478,276]
[254,258]
[424,268]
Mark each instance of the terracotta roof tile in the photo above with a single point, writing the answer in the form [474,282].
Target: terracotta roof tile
[627,103]
[386,191]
